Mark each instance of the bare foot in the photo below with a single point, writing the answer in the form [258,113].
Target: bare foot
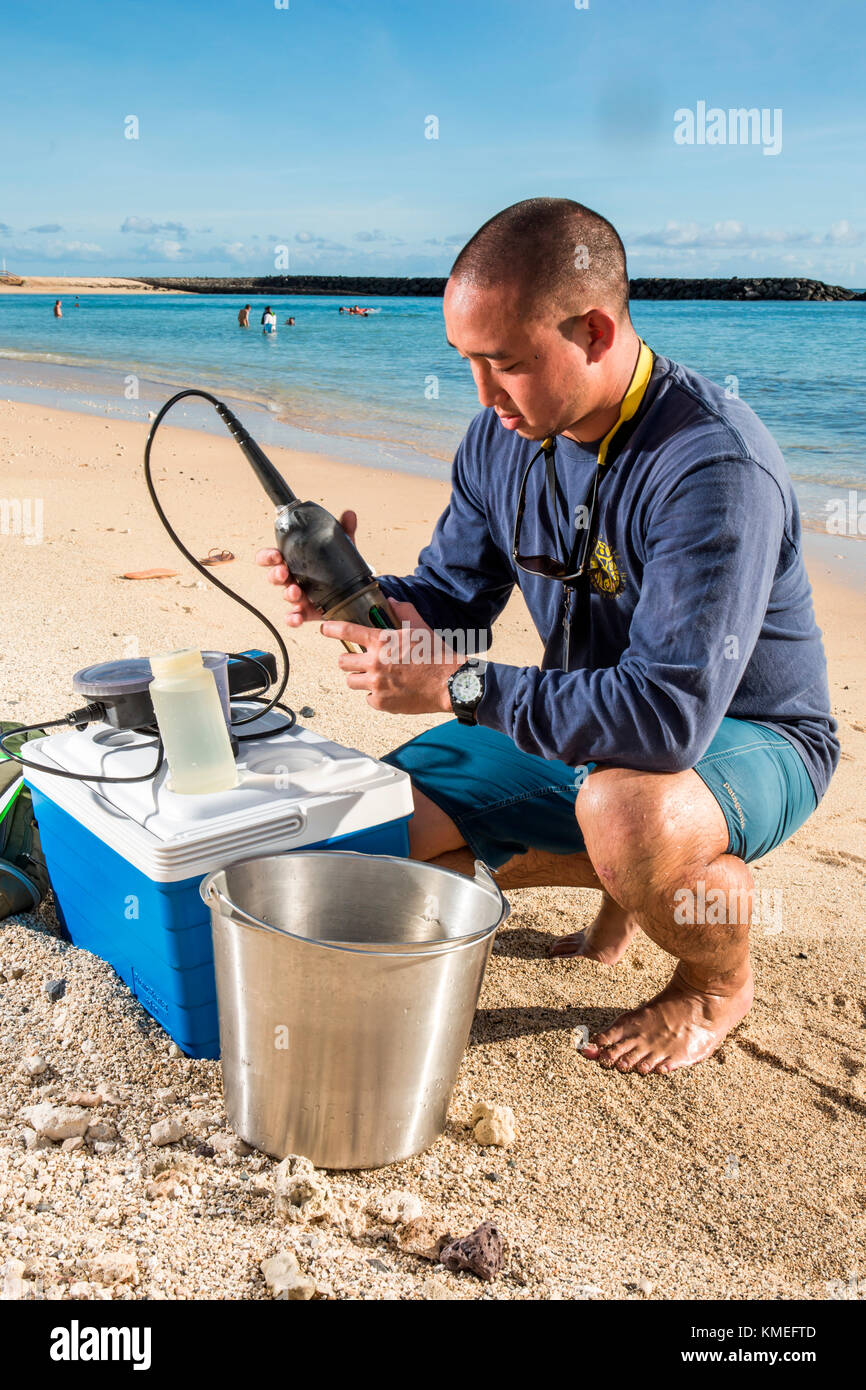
[677,1028]
[606,940]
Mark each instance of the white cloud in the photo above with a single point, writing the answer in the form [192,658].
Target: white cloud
[57,251]
[736,236]
[842,234]
[319,242]
[145,226]
[166,249]
[80,248]
[458,239]
[238,252]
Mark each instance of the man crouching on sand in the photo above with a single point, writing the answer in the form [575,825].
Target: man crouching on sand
[679,726]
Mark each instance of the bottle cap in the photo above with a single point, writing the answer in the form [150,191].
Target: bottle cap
[173,665]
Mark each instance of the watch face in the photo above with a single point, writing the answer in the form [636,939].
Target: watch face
[466,687]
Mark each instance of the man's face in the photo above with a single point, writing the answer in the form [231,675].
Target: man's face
[533,370]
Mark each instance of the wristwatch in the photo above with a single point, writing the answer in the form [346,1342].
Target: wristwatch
[466,689]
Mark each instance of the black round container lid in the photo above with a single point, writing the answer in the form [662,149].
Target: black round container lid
[126,676]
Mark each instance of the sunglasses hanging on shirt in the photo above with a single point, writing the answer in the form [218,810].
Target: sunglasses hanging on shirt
[571,567]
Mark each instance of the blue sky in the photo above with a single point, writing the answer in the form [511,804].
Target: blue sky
[304,127]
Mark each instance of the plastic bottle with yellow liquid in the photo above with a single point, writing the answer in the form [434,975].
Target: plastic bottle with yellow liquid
[192,724]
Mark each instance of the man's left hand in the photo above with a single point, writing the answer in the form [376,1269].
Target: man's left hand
[401,671]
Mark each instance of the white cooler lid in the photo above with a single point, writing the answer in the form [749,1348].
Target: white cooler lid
[295,788]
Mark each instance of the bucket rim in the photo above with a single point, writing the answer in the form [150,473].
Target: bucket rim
[483,879]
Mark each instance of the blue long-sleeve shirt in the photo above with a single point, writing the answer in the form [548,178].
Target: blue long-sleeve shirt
[699,606]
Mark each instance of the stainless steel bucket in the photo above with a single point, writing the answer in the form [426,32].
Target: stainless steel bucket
[346,984]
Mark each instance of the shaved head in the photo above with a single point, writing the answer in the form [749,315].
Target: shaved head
[554,254]
[537,303]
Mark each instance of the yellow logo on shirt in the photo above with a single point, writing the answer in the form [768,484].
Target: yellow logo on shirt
[604,575]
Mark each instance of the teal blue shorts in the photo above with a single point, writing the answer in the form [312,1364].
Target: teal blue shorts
[505,802]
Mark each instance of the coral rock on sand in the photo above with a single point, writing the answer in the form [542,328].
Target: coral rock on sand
[435,1289]
[229,1144]
[480,1252]
[34,1066]
[425,1236]
[395,1208]
[15,1284]
[102,1095]
[300,1193]
[101,1131]
[113,1268]
[35,1141]
[167,1131]
[284,1278]
[169,1183]
[57,1122]
[347,1214]
[493,1124]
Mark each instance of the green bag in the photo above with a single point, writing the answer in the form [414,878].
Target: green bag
[23,875]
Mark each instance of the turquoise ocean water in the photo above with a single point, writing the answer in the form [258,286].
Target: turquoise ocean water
[387,390]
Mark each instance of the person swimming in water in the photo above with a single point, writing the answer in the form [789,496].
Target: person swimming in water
[58,308]
[269,321]
[244,317]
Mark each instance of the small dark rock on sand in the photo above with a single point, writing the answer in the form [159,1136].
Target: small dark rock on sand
[480,1252]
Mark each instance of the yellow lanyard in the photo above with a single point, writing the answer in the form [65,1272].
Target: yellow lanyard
[631,400]
[630,403]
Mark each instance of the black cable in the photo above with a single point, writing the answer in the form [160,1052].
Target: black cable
[281,728]
[59,771]
[258,695]
[205,395]
[96,710]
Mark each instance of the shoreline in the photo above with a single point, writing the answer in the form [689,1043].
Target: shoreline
[836,563]
[72,286]
[89,379]
[739,289]
[96,388]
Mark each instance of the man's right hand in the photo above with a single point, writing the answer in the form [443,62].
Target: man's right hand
[300,608]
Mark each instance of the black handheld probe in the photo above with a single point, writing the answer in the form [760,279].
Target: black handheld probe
[320,557]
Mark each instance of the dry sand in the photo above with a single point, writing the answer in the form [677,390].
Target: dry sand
[741,1178]
[73,285]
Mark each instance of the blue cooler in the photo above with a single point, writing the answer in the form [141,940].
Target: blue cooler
[126,859]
